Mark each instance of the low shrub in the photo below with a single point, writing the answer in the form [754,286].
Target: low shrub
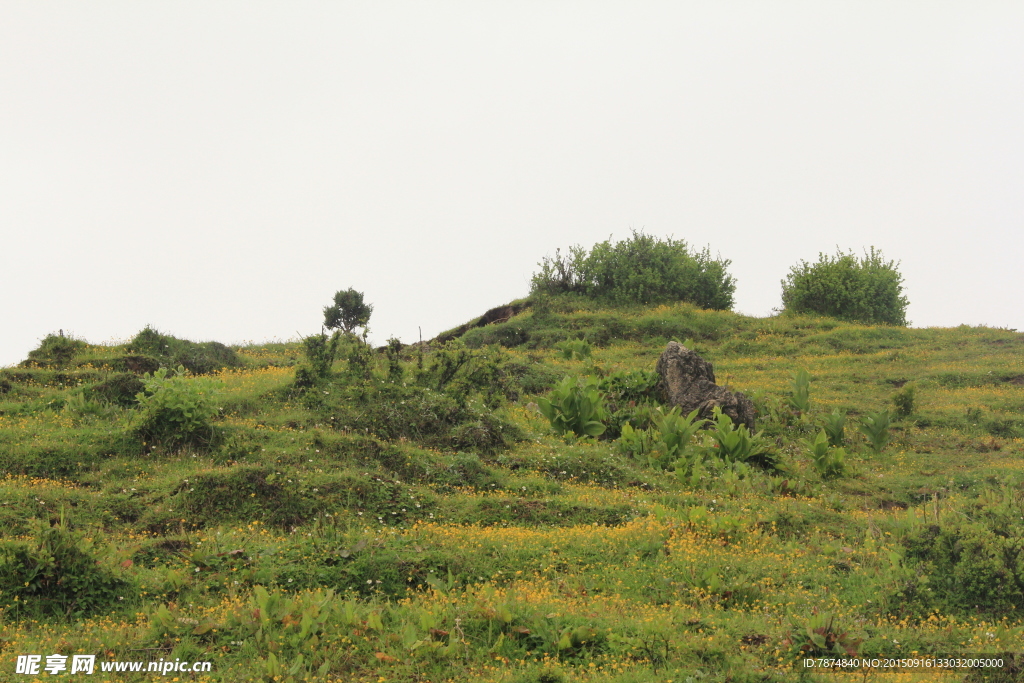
[178,410]
[120,389]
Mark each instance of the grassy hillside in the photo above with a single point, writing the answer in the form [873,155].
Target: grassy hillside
[409,515]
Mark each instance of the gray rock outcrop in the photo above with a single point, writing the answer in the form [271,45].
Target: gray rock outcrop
[688,381]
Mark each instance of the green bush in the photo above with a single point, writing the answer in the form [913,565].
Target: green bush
[867,290]
[834,425]
[800,400]
[642,269]
[177,409]
[120,389]
[321,351]
[904,401]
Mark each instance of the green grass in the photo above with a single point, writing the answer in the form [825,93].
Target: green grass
[338,534]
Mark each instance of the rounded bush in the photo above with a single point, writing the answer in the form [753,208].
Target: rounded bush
[640,270]
[866,290]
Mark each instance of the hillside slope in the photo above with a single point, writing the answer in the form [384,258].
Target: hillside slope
[408,514]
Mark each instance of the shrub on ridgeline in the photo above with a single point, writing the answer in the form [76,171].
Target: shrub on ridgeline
[865,290]
[642,269]
[56,350]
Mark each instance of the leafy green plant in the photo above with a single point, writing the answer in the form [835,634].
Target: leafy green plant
[575,405]
[178,409]
[635,443]
[578,349]
[904,401]
[867,290]
[734,443]
[674,433]
[348,312]
[875,426]
[642,269]
[834,425]
[800,388]
[829,461]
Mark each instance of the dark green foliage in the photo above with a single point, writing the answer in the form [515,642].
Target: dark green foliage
[967,566]
[421,414]
[630,399]
[867,290]
[55,350]
[321,351]
[904,401]
[394,354]
[642,269]
[461,372]
[57,572]
[348,312]
[119,389]
[198,358]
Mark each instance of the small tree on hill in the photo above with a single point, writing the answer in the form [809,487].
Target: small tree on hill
[866,290]
[348,312]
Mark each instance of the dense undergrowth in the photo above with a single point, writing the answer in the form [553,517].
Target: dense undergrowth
[307,512]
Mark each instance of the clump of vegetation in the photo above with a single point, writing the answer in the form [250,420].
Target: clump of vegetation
[177,409]
[58,572]
[828,460]
[875,426]
[834,426]
[320,351]
[867,290]
[120,389]
[56,350]
[905,401]
[642,269]
[800,392]
[575,406]
[198,358]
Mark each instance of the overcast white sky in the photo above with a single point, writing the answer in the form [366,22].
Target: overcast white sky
[219,170]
